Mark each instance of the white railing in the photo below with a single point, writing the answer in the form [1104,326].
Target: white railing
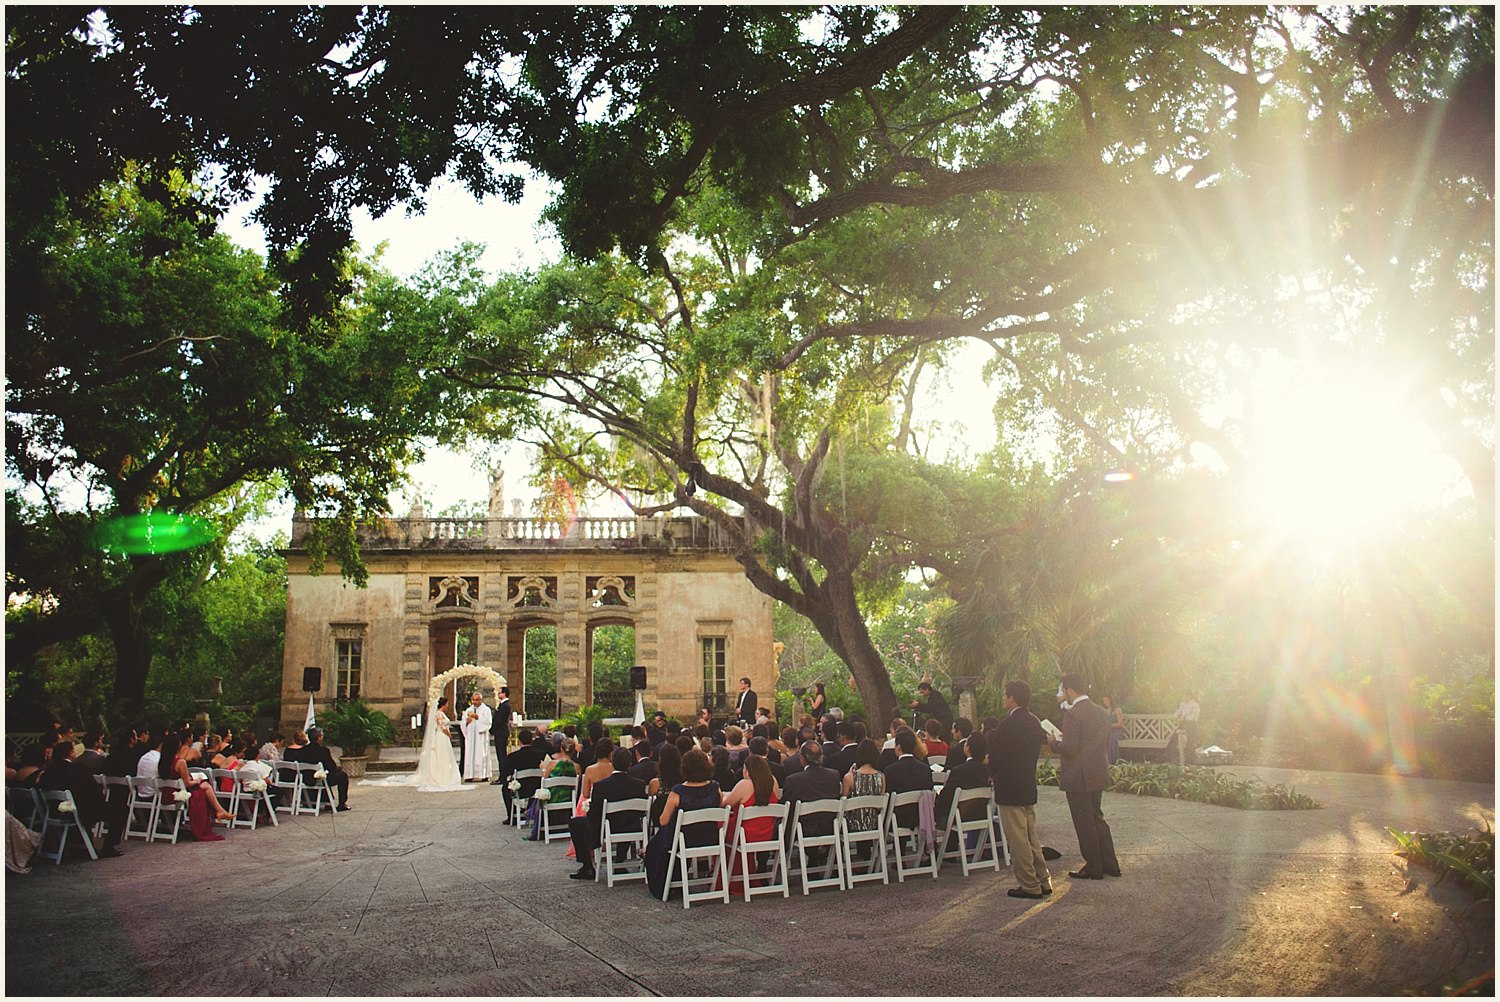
[671,533]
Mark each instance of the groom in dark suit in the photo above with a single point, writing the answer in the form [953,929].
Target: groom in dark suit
[1084,747]
[501,730]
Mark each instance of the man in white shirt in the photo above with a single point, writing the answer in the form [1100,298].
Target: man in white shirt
[147,766]
[1187,719]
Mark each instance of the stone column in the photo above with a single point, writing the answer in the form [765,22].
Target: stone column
[572,668]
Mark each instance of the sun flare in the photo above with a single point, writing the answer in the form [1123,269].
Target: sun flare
[1335,456]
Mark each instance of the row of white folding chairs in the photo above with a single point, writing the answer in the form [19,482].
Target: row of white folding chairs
[556,811]
[887,839]
[303,790]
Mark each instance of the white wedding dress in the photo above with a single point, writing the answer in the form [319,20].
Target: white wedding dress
[437,763]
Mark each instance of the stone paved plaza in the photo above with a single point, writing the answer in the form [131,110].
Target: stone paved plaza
[428,894]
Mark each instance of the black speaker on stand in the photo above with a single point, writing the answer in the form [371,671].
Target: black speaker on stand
[312,679]
[638,676]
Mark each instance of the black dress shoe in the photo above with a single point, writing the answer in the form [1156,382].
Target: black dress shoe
[1085,875]
[343,807]
[498,782]
[109,852]
[1016,892]
[1047,891]
[586,873]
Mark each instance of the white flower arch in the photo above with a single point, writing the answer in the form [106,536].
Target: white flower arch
[440,682]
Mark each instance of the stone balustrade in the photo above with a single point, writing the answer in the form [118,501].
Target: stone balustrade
[627,532]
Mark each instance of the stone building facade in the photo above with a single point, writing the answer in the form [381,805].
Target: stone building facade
[699,625]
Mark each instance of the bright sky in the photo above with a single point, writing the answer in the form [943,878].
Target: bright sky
[514,239]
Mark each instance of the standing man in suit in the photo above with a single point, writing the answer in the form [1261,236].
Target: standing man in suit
[1084,747]
[585,830]
[1014,751]
[501,727]
[744,710]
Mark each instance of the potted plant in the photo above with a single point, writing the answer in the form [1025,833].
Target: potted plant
[356,728]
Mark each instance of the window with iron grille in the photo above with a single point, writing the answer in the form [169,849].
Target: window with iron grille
[350,657]
[715,665]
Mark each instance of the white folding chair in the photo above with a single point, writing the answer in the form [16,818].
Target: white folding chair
[873,837]
[921,848]
[684,857]
[777,877]
[64,820]
[518,803]
[959,830]
[24,805]
[230,798]
[310,787]
[619,832]
[167,807]
[559,808]
[140,816]
[939,779]
[833,870]
[941,761]
[287,778]
[1000,828]
[245,780]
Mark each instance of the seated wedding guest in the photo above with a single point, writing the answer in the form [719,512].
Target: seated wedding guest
[962,728]
[972,774]
[706,745]
[830,737]
[124,753]
[586,749]
[685,743]
[91,759]
[563,761]
[932,736]
[271,750]
[668,775]
[643,767]
[763,716]
[150,759]
[315,752]
[697,791]
[601,767]
[734,741]
[813,782]
[213,752]
[63,772]
[528,756]
[759,746]
[33,758]
[250,762]
[618,785]
[203,806]
[851,733]
[906,775]
[757,788]
[723,775]
[864,779]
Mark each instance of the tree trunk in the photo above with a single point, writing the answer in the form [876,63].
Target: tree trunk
[125,612]
[858,651]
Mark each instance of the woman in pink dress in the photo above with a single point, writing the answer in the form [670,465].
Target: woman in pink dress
[757,788]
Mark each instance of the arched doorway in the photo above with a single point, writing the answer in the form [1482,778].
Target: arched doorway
[610,653]
[451,641]
[533,657]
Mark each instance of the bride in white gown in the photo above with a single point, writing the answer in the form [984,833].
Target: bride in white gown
[437,763]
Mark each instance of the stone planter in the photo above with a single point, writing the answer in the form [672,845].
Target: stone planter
[353,765]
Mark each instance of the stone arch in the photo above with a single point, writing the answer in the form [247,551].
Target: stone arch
[609,616]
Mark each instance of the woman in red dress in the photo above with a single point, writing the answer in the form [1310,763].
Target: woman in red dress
[757,789]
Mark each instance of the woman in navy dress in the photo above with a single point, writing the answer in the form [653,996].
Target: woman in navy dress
[697,791]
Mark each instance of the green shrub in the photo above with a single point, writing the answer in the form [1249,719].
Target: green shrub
[1200,785]
[582,717]
[1468,856]
[354,727]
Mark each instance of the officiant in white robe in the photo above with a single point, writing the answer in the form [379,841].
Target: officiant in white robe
[476,731]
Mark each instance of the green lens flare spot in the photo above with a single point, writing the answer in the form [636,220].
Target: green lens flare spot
[152,533]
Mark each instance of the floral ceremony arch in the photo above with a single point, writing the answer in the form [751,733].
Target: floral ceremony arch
[440,682]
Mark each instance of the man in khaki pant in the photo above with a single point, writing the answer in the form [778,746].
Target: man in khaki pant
[1014,750]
